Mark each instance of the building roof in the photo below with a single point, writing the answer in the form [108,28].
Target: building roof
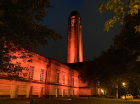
[75,65]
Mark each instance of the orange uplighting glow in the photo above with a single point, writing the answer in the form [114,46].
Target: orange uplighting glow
[75,48]
[72,41]
[80,47]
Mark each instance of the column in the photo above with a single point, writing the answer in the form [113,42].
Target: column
[13,92]
[28,94]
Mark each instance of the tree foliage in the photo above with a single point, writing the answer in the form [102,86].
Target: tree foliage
[19,22]
[120,7]
[128,43]
[19,25]
[121,62]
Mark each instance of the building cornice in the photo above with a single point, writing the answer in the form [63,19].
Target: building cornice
[33,81]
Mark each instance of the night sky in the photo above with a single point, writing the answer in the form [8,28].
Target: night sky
[95,39]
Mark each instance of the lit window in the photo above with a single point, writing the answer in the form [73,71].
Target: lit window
[57,77]
[31,72]
[63,79]
[41,75]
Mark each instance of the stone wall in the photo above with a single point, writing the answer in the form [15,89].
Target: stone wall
[68,84]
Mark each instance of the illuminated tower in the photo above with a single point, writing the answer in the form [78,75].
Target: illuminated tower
[74,46]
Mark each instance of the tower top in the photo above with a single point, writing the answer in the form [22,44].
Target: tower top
[73,13]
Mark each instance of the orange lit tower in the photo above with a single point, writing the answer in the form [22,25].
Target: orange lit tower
[74,46]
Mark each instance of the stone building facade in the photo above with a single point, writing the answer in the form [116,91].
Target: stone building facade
[47,76]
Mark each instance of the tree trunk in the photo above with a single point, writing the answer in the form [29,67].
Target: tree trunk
[136,91]
[116,91]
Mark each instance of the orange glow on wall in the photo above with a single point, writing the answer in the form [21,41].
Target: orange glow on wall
[66,88]
[72,41]
[80,46]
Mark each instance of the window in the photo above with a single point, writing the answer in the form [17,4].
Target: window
[63,92]
[41,75]
[68,93]
[57,77]
[72,92]
[31,72]
[57,92]
[63,79]
[68,80]
[72,81]
[76,81]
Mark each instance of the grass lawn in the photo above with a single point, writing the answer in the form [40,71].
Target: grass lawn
[68,101]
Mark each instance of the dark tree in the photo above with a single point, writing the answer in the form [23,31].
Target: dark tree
[20,28]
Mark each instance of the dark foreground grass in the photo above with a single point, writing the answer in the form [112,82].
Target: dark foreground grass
[68,101]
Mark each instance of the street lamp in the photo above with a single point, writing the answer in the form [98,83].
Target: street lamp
[124,84]
[102,90]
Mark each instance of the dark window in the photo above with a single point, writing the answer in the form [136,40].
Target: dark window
[57,77]
[72,81]
[31,73]
[41,75]
[68,80]
[63,79]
